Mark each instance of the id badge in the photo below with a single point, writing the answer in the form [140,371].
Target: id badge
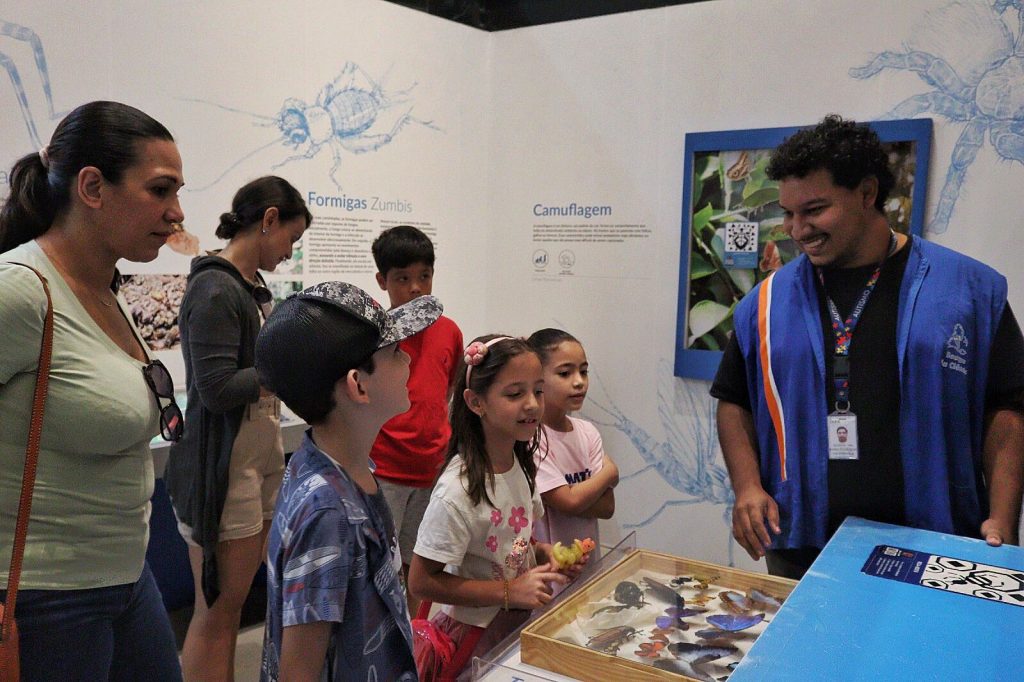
[842,436]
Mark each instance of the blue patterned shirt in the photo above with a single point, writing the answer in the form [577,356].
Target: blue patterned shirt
[333,556]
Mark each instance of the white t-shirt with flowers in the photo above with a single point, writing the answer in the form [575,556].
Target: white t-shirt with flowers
[480,542]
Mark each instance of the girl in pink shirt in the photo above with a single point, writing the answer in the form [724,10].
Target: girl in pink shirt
[575,478]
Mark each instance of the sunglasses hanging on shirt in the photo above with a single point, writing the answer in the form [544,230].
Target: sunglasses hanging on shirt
[263,296]
[172,423]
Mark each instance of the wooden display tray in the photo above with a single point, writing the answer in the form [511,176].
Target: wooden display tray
[539,646]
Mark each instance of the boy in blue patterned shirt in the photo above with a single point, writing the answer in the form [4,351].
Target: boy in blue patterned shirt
[336,608]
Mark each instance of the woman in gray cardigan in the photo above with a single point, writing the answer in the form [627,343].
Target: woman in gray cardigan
[224,474]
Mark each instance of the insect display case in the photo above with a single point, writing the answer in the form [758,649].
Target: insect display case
[656,616]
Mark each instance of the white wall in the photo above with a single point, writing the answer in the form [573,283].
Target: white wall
[592,112]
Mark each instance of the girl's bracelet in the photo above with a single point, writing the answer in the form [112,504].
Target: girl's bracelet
[505,584]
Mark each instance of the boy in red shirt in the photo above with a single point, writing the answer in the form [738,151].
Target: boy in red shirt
[411,447]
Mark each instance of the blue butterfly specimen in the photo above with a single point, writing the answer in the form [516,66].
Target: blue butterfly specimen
[735,623]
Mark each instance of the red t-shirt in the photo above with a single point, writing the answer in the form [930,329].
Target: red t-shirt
[411,446]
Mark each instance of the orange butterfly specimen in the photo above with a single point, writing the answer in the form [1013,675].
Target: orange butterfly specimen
[650,649]
[770,261]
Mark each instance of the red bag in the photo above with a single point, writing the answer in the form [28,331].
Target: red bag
[432,650]
[438,657]
[10,668]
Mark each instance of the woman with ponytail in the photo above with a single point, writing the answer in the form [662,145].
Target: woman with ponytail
[104,188]
[224,475]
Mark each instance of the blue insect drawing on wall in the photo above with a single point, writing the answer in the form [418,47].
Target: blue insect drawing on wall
[688,459]
[347,116]
[974,59]
[9,30]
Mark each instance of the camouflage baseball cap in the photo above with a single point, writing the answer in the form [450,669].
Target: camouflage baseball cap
[393,325]
[314,337]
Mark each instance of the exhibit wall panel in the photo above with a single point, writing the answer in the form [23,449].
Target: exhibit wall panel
[586,219]
[606,103]
[371,110]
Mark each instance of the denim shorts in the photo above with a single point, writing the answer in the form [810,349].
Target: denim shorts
[105,633]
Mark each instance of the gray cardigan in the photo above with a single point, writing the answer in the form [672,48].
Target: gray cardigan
[219,321]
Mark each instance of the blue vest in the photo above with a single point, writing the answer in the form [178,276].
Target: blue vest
[949,308]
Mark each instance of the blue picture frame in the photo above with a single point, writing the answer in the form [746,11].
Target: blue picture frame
[700,362]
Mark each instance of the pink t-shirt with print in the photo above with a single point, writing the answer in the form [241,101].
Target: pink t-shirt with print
[565,458]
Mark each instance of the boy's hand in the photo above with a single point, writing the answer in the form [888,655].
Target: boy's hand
[531,590]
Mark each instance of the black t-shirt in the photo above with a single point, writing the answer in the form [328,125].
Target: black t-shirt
[872,486]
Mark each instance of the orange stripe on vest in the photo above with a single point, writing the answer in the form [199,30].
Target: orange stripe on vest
[771,394]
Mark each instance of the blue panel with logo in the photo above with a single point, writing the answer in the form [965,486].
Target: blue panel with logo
[885,602]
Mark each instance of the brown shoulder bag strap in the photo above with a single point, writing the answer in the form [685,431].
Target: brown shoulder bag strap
[28,479]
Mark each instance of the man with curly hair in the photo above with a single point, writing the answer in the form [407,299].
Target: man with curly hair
[909,347]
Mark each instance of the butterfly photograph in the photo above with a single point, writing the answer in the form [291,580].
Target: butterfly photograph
[733,232]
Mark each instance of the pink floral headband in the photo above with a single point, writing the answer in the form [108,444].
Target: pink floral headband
[476,351]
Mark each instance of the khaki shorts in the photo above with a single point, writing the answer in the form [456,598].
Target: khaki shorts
[254,473]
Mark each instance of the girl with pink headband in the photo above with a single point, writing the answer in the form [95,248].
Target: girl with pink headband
[481,515]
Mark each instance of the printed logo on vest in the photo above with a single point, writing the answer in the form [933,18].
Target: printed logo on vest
[955,357]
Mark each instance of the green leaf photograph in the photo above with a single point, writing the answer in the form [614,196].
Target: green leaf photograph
[731,186]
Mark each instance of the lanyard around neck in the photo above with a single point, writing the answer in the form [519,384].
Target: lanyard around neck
[843,329]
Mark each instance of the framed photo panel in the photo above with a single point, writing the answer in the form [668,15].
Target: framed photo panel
[732,233]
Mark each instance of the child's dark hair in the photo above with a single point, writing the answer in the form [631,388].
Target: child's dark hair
[300,354]
[543,341]
[106,135]
[467,437]
[252,201]
[848,150]
[400,247]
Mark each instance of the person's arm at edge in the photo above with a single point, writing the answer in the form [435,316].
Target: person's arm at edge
[429,581]
[1003,464]
[304,651]
[580,499]
[753,506]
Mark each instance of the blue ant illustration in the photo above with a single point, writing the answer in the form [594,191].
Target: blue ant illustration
[688,460]
[341,118]
[982,87]
[27,35]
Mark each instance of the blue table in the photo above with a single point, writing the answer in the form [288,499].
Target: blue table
[842,624]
